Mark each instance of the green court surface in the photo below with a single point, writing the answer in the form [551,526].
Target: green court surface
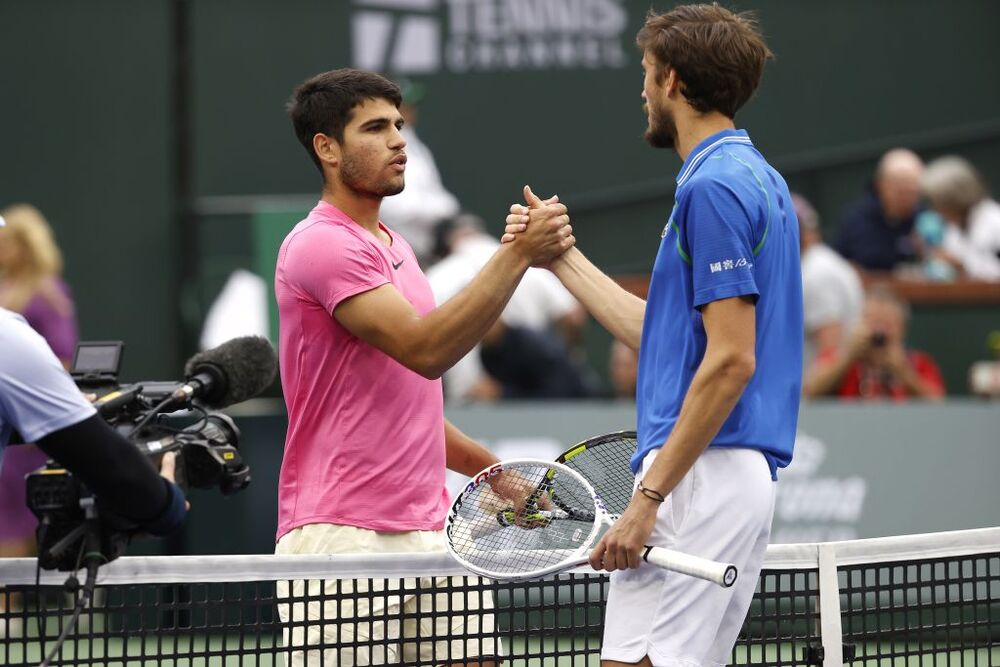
[222,651]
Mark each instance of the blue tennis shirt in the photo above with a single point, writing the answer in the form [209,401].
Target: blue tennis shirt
[732,232]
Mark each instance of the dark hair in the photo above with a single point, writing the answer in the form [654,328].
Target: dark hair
[324,104]
[719,56]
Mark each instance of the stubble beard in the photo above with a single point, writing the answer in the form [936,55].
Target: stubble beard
[360,176]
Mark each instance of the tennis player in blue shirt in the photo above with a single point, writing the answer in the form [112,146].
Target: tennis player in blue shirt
[720,347]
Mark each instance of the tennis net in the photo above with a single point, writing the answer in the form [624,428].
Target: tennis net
[909,600]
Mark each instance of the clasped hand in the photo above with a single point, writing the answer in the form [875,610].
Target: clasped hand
[542,227]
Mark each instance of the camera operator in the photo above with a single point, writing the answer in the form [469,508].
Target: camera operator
[39,401]
[875,364]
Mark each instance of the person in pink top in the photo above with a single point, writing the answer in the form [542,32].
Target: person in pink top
[362,347]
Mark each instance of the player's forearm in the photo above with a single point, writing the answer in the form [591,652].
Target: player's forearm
[618,311]
[463,454]
[447,333]
[715,389]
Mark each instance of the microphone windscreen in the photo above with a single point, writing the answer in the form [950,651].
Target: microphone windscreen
[248,364]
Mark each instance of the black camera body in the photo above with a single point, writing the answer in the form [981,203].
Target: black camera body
[206,445]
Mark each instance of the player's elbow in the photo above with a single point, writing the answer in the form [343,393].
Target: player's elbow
[737,366]
[425,364]
[432,372]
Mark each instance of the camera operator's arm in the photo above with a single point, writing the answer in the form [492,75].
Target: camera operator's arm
[40,401]
[118,474]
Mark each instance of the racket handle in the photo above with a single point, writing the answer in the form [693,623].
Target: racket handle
[723,574]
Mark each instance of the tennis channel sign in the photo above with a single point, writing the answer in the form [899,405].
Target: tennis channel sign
[431,36]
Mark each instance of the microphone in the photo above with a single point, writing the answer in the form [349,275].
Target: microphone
[230,373]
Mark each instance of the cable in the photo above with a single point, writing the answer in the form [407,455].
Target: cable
[150,415]
[43,529]
[85,596]
[91,555]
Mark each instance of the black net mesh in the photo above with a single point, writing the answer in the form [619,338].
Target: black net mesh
[940,611]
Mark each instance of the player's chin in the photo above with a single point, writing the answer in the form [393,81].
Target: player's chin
[393,186]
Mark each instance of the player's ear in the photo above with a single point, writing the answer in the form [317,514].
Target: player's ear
[327,149]
[671,82]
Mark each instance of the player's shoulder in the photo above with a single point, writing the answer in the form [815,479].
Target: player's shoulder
[736,172]
[331,238]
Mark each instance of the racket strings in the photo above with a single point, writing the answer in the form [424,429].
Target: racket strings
[529,518]
[605,464]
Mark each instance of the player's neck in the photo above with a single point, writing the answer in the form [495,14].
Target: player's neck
[362,209]
[694,129]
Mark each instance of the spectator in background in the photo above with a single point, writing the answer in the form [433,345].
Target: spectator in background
[31,285]
[876,363]
[30,279]
[623,369]
[414,211]
[532,364]
[876,232]
[541,315]
[971,241]
[831,289]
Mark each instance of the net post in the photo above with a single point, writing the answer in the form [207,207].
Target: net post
[829,607]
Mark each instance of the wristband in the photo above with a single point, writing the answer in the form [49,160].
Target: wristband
[652,494]
[173,514]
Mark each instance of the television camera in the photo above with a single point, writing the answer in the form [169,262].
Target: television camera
[157,417]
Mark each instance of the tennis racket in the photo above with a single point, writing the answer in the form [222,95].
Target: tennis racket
[526,518]
[604,462]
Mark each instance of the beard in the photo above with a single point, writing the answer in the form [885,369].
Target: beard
[360,175]
[662,130]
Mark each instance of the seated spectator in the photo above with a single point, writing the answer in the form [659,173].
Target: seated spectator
[539,304]
[876,232]
[623,369]
[876,363]
[831,289]
[971,241]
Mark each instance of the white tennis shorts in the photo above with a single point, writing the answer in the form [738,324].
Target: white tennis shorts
[720,510]
[361,622]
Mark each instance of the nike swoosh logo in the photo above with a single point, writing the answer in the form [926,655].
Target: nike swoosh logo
[396,266]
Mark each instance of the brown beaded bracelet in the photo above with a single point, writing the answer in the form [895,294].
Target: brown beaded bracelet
[652,494]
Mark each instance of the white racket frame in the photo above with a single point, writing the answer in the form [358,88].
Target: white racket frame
[723,574]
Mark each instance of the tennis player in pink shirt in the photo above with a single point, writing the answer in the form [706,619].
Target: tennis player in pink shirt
[362,349]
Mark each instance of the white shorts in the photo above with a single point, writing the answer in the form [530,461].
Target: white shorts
[405,628]
[720,510]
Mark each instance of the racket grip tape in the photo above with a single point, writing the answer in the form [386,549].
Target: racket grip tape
[723,574]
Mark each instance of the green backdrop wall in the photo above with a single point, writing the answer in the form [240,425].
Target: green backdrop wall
[86,130]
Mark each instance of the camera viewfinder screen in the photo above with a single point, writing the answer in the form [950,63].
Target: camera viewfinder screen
[99,358]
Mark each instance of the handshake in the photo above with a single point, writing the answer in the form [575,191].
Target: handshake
[539,229]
